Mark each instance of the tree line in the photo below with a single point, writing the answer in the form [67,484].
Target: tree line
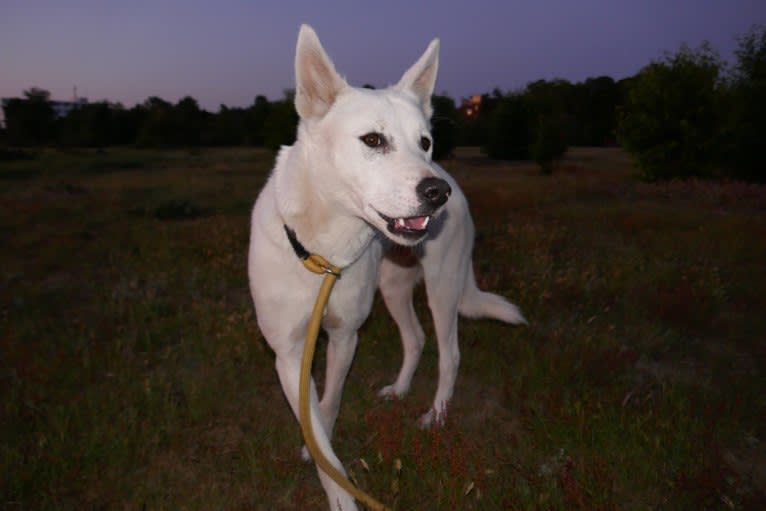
[685,114]
[31,121]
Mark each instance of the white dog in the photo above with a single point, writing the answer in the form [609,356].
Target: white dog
[359,170]
[444,259]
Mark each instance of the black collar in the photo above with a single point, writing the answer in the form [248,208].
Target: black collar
[299,249]
[313,262]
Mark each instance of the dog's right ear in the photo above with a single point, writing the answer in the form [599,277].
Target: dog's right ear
[317,82]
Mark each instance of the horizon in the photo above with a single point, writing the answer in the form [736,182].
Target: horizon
[229,53]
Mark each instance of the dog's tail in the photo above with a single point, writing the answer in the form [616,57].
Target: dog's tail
[476,303]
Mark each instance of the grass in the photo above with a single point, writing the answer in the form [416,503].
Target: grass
[133,375]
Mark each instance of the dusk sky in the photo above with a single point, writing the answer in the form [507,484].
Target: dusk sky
[228,52]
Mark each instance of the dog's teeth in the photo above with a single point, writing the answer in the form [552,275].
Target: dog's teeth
[415,223]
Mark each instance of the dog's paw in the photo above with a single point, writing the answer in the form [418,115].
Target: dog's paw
[391,392]
[427,419]
[432,419]
[305,454]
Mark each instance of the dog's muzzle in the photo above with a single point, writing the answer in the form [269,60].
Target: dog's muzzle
[433,191]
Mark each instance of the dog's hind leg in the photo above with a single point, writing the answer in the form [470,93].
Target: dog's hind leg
[396,283]
[443,302]
[288,368]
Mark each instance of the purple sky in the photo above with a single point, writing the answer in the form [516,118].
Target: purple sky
[228,51]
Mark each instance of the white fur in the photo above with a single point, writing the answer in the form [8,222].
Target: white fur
[331,189]
[445,264]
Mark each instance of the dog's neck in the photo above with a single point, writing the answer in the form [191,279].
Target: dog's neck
[322,229]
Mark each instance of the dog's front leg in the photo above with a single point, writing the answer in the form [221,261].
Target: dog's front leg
[288,368]
[340,353]
[396,286]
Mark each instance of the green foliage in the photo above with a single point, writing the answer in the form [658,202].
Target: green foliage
[586,112]
[166,125]
[37,95]
[156,129]
[88,126]
[189,120]
[549,144]
[154,123]
[443,126]
[256,127]
[282,122]
[533,123]
[746,131]
[509,134]
[594,112]
[670,120]
[29,121]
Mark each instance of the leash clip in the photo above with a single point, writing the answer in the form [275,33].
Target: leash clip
[318,264]
[313,262]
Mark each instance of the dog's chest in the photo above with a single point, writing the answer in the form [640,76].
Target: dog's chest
[351,299]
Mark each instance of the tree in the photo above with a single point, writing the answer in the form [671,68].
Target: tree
[227,127]
[89,125]
[125,123]
[508,133]
[37,95]
[281,123]
[165,124]
[443,126]
[594,111]
[747,120]
[256,121]
[670,120]
[187,121]
[549,142]
[30,121]
[157,126]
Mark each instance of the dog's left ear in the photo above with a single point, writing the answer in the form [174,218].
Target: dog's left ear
[421,77]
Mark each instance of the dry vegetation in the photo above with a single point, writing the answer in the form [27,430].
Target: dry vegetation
[133,375]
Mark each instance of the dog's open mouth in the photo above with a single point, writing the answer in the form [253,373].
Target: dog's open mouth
[410,227]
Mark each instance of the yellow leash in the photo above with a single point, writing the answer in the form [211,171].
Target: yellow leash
[318,264]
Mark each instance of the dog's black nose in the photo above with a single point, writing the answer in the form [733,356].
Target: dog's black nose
[433,191]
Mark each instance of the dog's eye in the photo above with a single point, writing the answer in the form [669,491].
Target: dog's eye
[373,139]
[425,143]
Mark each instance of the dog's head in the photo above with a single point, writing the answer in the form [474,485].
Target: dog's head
[371,148]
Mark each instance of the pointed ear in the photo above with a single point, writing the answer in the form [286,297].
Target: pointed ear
[421,77]
[317,82]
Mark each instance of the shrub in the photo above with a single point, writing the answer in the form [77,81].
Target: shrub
[747,113]
[550,143]
[508,136]
[443,126]
[281,123]
[670,120]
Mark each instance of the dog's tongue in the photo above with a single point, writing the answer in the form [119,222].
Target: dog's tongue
[415,223]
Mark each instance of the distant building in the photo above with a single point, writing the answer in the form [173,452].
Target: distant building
[471,107]
[60,108]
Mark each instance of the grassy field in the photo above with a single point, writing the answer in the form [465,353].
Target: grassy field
[133,375]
